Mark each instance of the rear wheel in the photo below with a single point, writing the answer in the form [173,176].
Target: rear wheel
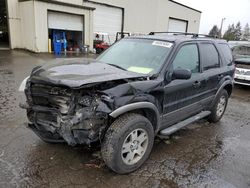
[219,107]
[128,143]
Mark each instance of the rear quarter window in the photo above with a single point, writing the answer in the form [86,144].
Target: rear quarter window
[226,53]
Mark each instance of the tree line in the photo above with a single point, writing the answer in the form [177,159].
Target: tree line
[233,32]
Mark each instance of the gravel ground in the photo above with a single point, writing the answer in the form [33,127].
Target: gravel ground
[202,155]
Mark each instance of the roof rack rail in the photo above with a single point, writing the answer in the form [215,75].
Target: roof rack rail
[194,35]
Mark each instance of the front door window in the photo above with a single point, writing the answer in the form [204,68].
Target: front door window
[187,58]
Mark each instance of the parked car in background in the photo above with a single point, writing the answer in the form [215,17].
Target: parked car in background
[237,43]
[101,42]
[241,54]
[137,89]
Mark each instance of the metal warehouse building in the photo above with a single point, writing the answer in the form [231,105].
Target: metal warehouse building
[30,23]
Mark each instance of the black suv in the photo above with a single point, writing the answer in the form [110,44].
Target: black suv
[139,88]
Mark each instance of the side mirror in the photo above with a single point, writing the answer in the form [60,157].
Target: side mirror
[182,74]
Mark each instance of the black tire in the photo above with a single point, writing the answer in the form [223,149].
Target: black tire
[214,116]
[114,140]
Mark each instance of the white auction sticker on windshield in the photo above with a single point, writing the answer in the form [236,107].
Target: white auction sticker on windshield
[162,44]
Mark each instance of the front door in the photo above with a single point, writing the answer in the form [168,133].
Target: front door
[182,97]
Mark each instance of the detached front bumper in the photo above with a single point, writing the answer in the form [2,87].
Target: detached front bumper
[45,135]
[84,127]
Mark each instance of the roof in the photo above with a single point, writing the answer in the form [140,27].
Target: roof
[62,3]
[176,38]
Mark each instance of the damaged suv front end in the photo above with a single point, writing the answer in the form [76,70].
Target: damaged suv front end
[78,116]
[59,113]
[72,101]
[62,114]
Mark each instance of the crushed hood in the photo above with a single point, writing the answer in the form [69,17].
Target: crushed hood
[75,74]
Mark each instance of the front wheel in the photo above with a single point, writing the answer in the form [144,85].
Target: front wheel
[219,107]
[127,143]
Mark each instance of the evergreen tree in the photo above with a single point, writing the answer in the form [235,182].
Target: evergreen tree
[230,33]
[237,31]
[214,31]
[246,32]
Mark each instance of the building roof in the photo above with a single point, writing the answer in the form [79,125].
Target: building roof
[62,3]
[185,6]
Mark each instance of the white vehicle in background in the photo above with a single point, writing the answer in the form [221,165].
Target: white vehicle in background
[241,55]
[233,44]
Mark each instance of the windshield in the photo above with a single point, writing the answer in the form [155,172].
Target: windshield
[242,51]
[137,55]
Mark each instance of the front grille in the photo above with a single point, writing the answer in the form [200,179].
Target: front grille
[242,81]
[50,117]
[242,71]
[51,97]
[47,120]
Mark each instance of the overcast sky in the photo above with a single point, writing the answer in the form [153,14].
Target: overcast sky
[214,10]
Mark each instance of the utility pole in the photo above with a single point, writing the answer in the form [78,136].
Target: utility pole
[222,20]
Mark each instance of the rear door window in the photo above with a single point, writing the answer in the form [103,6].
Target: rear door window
[209,56]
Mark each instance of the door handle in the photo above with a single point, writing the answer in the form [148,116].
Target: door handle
[196,84]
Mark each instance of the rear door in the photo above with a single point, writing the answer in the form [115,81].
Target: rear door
[182,97]
[210,63]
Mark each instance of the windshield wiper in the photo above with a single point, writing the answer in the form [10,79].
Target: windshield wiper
[117,66]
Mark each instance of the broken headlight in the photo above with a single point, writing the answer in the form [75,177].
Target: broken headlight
[85,101]
[59,91]
[95,102]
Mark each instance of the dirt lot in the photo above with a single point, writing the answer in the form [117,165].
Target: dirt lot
[202,155]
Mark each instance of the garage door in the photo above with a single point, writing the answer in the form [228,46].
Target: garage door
[175,25]
[63,21]
[107,20]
